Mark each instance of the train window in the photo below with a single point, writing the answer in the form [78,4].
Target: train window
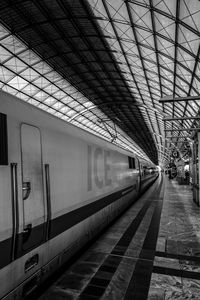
[3,140]
[131,162]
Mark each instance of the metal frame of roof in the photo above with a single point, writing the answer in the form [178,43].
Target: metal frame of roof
[32,80]
[107,59]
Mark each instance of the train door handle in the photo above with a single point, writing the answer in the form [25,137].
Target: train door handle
[26,189]
[27,232]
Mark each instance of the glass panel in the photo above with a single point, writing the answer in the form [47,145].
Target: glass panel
[18,83]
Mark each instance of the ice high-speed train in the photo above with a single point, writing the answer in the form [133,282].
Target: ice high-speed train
[59,186]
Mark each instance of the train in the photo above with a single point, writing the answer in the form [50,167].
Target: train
[59,187]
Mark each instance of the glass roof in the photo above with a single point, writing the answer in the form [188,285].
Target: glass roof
[157,43]
[104,65]
[24,75]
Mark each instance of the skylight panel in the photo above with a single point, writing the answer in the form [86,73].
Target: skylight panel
[30,89]
[34,102]
[43,68]
[195,105]
[42,106]
[58,114]
[41,82]
[18,83]
[15,65]
[41,96]
[49,101]
[27,56]
[189,13]
[5,55]
[29,74]
[5,74]
[14,47]
[167,6]
[79,108]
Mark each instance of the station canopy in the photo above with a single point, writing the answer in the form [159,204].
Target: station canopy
[104,65]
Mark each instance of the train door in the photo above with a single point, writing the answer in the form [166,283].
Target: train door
[32,187]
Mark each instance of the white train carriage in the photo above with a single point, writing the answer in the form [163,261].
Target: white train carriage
[59,186]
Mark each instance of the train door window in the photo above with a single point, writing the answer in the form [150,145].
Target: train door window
[32,177]
[3,140]
[131,162]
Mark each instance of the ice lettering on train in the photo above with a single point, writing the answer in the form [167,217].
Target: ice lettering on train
[98,168]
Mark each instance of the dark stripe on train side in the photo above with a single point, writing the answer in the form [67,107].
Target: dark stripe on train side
[56,227]
[64,222]
[25,244]
[60,224]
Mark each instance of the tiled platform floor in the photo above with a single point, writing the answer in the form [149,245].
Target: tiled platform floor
[176,273]
[136,259]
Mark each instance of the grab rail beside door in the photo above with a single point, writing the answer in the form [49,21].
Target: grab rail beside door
[15,209]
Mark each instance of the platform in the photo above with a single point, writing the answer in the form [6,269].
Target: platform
[136,258]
